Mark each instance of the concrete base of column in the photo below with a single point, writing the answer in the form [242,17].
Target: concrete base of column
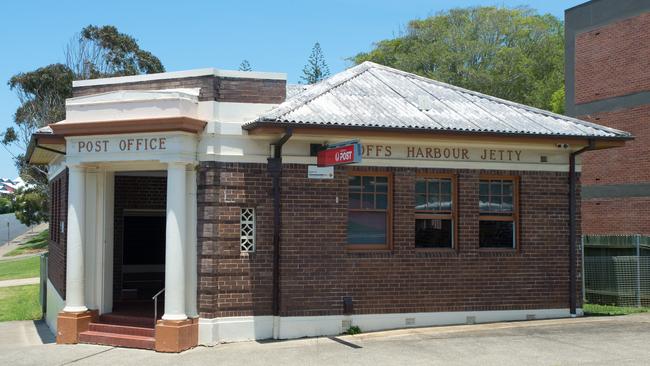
[177,335]
[69,325]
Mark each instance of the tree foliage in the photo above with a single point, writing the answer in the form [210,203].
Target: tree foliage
[30,206]
[5,205]
[516,54]
[93,53]
[245,66]
[316,68]
[99,52]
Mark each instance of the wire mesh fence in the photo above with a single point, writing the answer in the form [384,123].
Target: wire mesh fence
[622,280]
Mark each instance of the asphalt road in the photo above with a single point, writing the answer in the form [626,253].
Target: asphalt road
[13,230]
[586,341]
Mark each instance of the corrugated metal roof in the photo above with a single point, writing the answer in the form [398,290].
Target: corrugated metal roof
[375,96]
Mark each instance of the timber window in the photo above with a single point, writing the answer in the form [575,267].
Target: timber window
[435,211]
[499,212]
[369,210]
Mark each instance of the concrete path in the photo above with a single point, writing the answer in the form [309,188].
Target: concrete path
[603,341]
[20,282]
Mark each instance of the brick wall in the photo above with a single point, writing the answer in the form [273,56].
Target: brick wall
[57,240]
[317,271]
[611,216]
[612,60]
[232,284]
[623,165]
[212,88]
[135,193]
[627,164]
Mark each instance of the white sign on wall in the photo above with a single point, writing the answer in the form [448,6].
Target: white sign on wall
[315,172]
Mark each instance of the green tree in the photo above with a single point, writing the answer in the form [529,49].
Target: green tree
[245,66]
[30,206]
[516,54]
[5,205]
[98,52]
[557,101]
[94,52]
[316,68]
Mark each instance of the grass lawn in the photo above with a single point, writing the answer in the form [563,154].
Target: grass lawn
[602,310]
[36,244]
[20,268]
[19,303]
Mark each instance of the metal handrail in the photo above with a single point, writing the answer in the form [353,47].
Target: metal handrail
[155,305]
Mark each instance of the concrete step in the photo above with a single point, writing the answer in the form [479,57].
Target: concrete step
[128,320]
[122,329]
[117,340]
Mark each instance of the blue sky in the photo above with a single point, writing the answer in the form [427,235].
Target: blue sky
[272,35]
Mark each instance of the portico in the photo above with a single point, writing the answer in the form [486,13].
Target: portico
[140,143]
[89,261]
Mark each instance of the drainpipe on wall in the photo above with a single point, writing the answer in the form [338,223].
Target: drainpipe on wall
[275,169]
[572,226]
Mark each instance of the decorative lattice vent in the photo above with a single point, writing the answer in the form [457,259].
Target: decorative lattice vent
[247,230]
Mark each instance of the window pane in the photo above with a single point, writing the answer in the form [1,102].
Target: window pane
[368,201]
[434,189]
[355,200]
[354,184]
[445,203]
[506,206]
[420,186]
[366,227]
[495,187]
[483,203]
[381,184]
[496,234]
[507,188]
[420,202]
[433,233]
[445,187]
[483,188]
[433,204]
[381,201]
[495,203]
[368,184]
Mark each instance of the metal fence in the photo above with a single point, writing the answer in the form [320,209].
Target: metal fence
[622,280]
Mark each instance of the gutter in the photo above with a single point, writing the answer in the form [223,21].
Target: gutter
[572,226]
[274,167]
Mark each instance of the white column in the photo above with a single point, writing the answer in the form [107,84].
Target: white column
[175,246]
[90,232]
[74,284]
[191,259]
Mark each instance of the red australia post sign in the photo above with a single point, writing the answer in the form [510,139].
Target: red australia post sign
[339,155]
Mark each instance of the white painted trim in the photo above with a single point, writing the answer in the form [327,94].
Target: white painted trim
[55,304]
[262,159]
[106,303]
[234,329]
[182,74]
[56,166]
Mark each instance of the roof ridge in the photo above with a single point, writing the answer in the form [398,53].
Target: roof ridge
[497,99]
[326,85]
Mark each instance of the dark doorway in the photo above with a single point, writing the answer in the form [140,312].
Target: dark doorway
[143,258]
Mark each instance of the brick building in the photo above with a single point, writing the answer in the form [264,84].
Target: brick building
[463,208]
[608,82]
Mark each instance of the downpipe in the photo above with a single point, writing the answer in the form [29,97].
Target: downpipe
[274,168]
[572,227]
